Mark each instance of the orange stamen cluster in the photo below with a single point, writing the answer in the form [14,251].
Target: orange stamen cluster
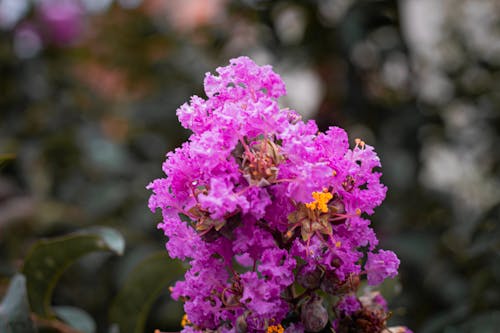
[318,218]
[320,201]
[185,320]
[275,329]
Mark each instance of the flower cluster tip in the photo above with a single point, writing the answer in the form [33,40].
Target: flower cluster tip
[236,203]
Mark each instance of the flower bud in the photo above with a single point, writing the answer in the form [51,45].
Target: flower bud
[329,283]
[332,285]
[241,324]
[309,279]
[314,315]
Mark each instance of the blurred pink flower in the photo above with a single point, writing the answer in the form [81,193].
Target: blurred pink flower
[187,15]
[27,40]
[62,20]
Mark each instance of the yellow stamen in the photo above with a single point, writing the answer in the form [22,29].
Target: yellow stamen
[185,321]
[275,329]
[359,143]
[338,244]
[320,201]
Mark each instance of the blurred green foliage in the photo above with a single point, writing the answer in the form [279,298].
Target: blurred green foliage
[48,259]
[84,128]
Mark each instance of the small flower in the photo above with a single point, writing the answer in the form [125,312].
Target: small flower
[348,305]
[380,266]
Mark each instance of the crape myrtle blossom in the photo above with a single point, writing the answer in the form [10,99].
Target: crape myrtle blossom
[268,211]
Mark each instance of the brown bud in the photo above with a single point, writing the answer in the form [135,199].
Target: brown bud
[309,279]
[241,324]
[329,283]
[332,285]
[313,314]
[336,205]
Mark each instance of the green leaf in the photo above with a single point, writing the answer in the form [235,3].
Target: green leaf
[15,310]
[142,287]
[48,259]
[76,318]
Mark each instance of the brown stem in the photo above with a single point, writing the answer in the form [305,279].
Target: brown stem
[53,323]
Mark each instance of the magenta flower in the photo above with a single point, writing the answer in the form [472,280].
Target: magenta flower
[256,197]
[348,305]
[380,266]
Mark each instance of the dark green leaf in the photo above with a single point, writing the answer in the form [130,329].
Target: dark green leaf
[49,258]
[143,285]
[15,310]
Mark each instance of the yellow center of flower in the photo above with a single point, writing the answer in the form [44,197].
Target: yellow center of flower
[320,201]
[275,329]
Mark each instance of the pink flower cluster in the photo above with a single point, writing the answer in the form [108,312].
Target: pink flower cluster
[271,213]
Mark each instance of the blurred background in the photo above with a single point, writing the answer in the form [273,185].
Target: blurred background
[89,90]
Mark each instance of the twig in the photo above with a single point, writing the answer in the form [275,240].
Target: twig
[53,323]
